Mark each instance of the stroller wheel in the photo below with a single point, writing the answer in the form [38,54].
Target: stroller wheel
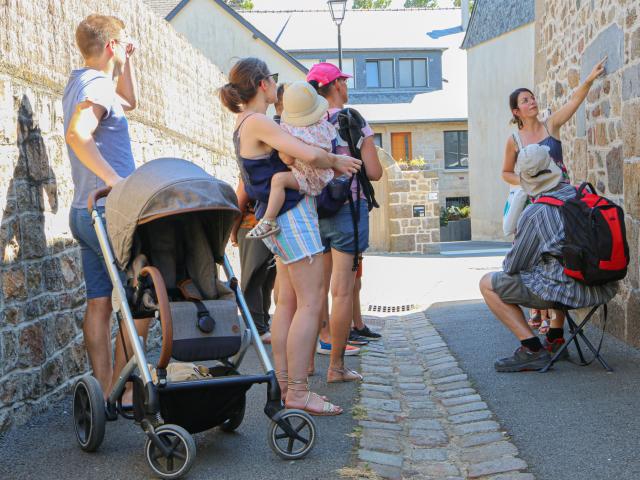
[88,413]
[292,435]
[236,417]
[179,454]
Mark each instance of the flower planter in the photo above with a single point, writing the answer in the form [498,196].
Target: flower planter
[456,231]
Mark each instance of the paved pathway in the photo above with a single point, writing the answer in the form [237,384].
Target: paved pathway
[45,448]
[572,423]
[420,415]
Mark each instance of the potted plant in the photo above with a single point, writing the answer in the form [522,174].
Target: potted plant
[455,224]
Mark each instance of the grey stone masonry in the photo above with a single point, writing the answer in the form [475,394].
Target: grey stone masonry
[421,416]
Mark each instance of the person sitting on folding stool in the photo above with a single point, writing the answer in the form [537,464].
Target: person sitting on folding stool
[532,273]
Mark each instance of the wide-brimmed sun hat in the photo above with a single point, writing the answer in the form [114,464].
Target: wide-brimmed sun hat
[537,171]
[302,105]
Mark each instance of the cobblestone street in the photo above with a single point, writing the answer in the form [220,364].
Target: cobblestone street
[421,417]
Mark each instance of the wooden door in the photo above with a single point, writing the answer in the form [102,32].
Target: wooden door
[401,146]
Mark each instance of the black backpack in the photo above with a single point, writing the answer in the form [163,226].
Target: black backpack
[349,124]
[595,250]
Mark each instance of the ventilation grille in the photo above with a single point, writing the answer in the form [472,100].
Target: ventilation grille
[391,308]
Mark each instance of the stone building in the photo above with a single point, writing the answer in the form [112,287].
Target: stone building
[602,142]
[500,56]
[179,114]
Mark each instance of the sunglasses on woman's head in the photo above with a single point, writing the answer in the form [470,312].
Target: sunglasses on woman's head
[274,76]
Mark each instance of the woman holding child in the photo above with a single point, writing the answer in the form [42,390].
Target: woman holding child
[524,109]
[259,141]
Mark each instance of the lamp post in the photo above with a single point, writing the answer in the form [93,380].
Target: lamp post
[338,9]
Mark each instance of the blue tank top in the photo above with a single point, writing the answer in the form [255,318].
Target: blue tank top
[256,175]
[555,151]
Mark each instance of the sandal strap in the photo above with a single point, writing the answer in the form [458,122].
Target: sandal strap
[291,383]
[346,371]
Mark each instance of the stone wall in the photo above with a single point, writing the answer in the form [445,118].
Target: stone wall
[602,141]
[42,303]
[393,227]
[411,233]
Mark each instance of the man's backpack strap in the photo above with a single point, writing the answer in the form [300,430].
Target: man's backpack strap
[550,201]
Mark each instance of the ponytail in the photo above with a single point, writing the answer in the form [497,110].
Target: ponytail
[230,98]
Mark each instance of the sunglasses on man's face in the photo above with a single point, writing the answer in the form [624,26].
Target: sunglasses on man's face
[274,76]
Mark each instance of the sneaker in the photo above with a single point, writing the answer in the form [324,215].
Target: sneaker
[553,347]
[325,349]
[366,332]
[357,340]
[523,360]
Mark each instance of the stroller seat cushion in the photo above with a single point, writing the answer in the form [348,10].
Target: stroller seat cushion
[191,343]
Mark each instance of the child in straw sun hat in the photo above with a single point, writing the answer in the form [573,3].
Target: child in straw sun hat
[304,117]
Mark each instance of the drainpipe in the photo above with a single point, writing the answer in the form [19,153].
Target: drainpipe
[464,12]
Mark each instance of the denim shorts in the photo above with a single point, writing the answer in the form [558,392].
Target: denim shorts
[96,276]
[337,232]
[299,236]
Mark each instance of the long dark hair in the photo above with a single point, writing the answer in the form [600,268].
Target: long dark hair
[513,104]
[244,79]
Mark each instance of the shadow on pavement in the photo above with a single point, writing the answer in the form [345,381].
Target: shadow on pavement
[570,423]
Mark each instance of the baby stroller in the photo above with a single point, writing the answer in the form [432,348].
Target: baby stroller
[168,225]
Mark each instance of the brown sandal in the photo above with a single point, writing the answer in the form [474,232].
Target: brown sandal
[328,408]
[347,375]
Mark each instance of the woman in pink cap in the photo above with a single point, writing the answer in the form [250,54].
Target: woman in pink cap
[257,140]
[337,232]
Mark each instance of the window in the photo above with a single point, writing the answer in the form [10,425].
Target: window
[413,72]
[455,149]
[377,139]
[379,73]
[457,202]
[401,146]
[347,67]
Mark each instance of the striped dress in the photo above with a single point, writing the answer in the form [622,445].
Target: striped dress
[534,255]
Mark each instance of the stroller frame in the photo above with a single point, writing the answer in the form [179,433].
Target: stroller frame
[289,425]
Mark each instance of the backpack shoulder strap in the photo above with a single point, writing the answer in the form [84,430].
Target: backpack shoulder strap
[550,201]
[518,140]
[333,119]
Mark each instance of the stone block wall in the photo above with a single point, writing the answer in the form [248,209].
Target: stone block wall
[601,142]
[42,303]
[393,227]
[408,233]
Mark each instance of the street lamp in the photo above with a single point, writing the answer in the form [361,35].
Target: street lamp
[338,9]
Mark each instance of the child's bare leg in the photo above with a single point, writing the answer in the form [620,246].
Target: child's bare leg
[279,182]
[268,226]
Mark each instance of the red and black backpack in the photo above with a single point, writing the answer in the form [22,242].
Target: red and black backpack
[595,250]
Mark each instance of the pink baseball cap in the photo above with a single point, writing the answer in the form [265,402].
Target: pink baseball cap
[324,73]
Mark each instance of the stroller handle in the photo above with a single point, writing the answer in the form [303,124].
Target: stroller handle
[95,196]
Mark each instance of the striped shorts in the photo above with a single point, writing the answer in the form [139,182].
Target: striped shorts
[299,235]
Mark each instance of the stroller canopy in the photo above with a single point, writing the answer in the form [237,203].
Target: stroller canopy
[162,188]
